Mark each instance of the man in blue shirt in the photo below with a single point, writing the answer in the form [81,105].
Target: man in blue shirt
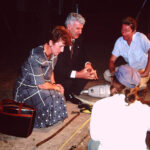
[134,47]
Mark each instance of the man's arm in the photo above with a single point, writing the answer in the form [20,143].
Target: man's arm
[112,61]
[147,69]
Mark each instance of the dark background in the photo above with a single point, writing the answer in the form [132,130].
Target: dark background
[25,24]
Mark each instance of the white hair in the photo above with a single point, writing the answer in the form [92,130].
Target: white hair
[72,17]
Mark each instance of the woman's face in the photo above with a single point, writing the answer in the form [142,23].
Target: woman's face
[57,48]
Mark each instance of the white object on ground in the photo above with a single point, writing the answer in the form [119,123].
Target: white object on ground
[83,100]
[99,91]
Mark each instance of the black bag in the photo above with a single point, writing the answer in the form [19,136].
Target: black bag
[16,119]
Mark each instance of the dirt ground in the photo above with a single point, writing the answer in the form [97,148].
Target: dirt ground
[74,136]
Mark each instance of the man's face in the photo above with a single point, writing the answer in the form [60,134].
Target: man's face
[127,32]
[75,29]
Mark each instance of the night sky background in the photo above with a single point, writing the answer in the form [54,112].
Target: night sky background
[25,23]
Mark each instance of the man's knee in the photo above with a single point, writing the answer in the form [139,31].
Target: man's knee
[107,75]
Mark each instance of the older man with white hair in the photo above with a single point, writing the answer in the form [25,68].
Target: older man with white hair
[73,68]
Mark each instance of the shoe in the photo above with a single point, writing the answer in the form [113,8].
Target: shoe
[85,108]
[72,99]
[85,111]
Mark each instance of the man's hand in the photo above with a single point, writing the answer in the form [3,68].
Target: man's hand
[143,73]
[93,73]
[87,74]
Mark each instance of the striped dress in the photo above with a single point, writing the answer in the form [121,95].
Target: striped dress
[49,104]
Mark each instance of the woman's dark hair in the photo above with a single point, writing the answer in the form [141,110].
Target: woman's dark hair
[60,33]
[130,94]
[131,22]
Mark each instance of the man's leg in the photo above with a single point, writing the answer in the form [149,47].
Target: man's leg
[78,85]
[69,87]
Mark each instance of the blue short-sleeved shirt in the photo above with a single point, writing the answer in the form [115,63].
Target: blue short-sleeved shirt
[135,54]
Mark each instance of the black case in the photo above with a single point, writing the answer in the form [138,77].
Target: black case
[16,119]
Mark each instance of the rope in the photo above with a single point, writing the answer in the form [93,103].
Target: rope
[47,139]
[74,133]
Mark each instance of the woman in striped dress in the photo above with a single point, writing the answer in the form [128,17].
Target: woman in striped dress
[36,84]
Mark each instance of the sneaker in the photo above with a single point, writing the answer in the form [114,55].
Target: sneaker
[85,108]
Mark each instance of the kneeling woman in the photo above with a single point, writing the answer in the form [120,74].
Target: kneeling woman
[36,84]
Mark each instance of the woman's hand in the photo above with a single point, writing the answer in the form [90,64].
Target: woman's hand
[59,88]
[50,86]
[46,86]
